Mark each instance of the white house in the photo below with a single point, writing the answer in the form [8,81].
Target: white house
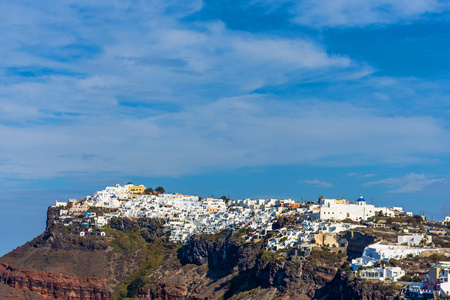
[377,252]
[392,273]
[340,209]
[413,240]
[330,209]
[60,204]
[101,221]
[445,288]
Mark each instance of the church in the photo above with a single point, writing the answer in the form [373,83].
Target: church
[341,209]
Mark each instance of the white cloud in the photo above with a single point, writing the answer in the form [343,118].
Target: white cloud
[368,175]
[230,133]
[317,182]
[361,175]
[100,60]
[95,53]
[407,184]
[331,13]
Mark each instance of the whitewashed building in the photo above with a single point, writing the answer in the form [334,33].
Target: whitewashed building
[60,204]
[340,209]
[376,252]
[391,273]
[413,239]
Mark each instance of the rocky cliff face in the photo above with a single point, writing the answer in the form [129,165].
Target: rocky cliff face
[223,251]
[223,266]
[135,260]
[226,266]
[284,221]
[53,285]
[357,241]
[169,292]
[153,228]
[63,265]
[345,286]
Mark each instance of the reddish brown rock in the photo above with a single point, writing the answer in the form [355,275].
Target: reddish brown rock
[55,285]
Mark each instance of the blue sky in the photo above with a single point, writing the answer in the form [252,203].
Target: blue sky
[242,98]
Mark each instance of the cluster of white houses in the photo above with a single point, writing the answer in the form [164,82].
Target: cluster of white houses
[312,233]
[407,245]
[187,215]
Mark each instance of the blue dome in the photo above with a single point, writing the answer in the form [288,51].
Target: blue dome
[361,198]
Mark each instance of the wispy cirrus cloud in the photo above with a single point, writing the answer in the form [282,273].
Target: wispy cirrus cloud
[317,182]
[407,184]
[346,13]
[361,175]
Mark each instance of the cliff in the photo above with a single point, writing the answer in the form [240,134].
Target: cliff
[54,285]
[345,286]
[357,241]
[95,265]
[224,265]
[135,259]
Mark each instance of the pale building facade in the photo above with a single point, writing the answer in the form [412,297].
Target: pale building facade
[332,210]
[391,273]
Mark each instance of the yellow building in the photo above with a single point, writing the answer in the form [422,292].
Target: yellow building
[341,201]
[136,189]
[71,203]
[326,239]
[213,210]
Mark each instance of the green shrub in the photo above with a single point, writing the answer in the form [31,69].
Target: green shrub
[134,287]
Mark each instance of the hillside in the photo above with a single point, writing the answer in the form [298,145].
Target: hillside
[135,260]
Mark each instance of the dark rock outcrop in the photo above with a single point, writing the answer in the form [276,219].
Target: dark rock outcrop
[357,241]
[251,266]
[284,221]
[222,251]
[345,286]
[153,228]
[59,240]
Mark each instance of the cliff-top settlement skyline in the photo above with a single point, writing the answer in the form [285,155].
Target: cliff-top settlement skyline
[135,242]
[247,99]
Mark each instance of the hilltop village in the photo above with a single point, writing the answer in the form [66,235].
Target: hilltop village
[289,227]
